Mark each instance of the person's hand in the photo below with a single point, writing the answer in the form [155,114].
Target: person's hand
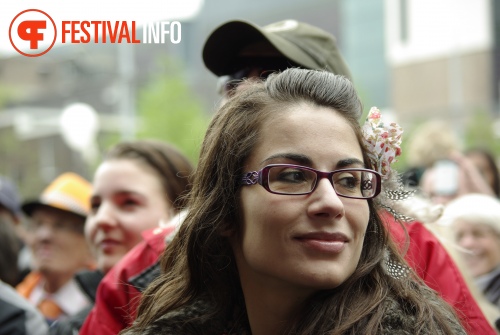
[470,179]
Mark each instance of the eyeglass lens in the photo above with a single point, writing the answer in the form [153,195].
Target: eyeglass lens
[295,180]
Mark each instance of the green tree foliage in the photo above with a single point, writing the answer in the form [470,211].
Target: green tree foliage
[168,110]
[479,132]
[6,94]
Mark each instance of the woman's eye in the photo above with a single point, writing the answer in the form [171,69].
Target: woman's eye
[292,176]
[479,234]
[129,203]
[94,205]
[347,181]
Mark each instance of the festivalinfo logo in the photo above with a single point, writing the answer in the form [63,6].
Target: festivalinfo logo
[33,32]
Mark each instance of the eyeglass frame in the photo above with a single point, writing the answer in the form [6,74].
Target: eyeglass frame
[261,177]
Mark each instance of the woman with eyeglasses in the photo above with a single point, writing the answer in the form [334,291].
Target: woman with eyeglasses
[282,235]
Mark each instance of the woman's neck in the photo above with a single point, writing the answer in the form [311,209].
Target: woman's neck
[271,309]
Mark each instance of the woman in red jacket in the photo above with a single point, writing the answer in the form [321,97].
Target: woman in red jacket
[138,185]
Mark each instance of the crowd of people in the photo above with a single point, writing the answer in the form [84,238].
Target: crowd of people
[292,222]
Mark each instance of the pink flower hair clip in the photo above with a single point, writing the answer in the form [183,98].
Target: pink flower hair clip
[383,141]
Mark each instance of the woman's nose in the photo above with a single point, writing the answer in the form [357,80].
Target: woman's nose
[325,201]
[105,215]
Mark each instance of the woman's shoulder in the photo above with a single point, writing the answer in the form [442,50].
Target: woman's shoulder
[193,319]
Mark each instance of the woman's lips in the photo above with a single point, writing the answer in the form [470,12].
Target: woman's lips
[108,245]
[324,242]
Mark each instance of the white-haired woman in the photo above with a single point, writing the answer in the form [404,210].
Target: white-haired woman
[475,223]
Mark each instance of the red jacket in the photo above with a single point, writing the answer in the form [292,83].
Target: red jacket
[118,295]
[434,265]
[119,292]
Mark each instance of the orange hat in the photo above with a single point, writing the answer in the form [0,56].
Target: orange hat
[68,192]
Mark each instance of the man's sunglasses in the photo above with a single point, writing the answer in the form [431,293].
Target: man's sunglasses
[260,67]
[227,84]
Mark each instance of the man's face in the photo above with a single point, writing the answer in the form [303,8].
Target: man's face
[57,241]
[252,67]
[227,85]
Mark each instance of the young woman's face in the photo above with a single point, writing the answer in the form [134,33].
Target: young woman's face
[482,242]
[301,242]
[127,199]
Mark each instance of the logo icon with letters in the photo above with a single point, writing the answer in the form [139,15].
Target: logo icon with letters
[32,33]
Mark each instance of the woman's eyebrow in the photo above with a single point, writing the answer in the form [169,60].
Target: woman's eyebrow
[306,161]
[299,158]
[349,162]
[127,192]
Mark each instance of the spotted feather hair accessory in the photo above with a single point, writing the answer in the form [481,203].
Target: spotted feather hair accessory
[383,143]
[382,140]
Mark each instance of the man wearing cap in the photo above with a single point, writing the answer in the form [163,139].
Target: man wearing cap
[239,49]
[58,246]
[233,51]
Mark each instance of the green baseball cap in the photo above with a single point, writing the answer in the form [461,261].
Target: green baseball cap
[302,44]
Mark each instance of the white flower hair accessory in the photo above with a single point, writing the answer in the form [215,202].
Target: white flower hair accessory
[382,140]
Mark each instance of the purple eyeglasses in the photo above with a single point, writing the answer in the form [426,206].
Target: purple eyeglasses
[291,179]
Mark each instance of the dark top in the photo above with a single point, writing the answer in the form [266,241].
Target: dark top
[88,282]
[17,315]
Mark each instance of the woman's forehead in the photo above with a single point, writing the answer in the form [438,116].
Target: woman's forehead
[310,130]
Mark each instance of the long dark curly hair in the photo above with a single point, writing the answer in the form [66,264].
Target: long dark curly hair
[199,265]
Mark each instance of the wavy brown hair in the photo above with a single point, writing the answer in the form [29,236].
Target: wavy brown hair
[199,265]
[172,168]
